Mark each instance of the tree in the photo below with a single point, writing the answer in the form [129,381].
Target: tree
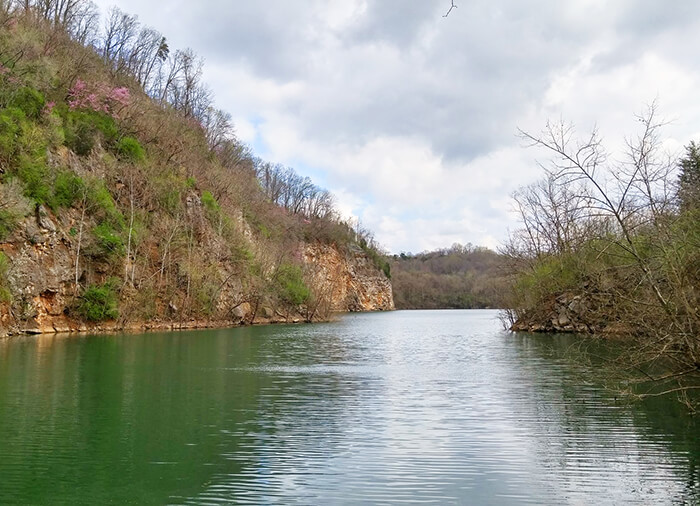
[689,178]
[610,232]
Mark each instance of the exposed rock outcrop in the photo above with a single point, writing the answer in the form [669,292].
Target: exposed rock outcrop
[571,313]
[566,313]
[350,281]
[42,254]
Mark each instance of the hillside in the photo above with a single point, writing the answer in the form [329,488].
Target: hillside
[126,199]
[460,277]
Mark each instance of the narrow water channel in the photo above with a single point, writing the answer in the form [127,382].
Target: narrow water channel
[420,406]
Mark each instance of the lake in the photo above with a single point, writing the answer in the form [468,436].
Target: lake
[410,406]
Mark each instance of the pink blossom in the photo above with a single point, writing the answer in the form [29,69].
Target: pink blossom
[78,87]
[97,97]
[120,95]
[48,108]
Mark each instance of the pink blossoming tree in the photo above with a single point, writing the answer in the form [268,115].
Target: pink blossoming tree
[98,97]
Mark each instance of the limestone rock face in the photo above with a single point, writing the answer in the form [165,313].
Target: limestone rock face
[349,281]
[41,277]
[565,313]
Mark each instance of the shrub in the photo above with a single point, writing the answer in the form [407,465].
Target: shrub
[100,97]
[7,223]
[30,101]
[99,302]
[210,203]
[5,294]
[83,129]
[109,242]
[11,122]
[129,149]
[212,209]
[291,286]
[377,258]
[100,198]
[36,178]
[549,276]
[386,268]
[68,188]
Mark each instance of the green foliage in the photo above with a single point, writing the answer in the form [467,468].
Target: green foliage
[210,204]
[215,215]
[204,287]
[12,121]
[30,101]
[24,145]
[8,222]
[5,294]
[101,200]
[240,253]
[190,183]
[386,268]
[99,302]
[68,189]
[130,150]
[265,231]
[110,243]
[169,199]
[689,178]
[37,180]
[290,284]
[549,276]
[84,129]
[205,297]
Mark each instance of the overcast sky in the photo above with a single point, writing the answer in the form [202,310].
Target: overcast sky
[410,118]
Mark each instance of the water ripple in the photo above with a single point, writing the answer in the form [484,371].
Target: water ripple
[426,407]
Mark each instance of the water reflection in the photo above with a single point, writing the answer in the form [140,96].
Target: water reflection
[408,406]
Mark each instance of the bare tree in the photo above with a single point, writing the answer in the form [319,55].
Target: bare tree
[121,30]
[619,221]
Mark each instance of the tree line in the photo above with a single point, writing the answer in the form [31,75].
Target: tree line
[459,277]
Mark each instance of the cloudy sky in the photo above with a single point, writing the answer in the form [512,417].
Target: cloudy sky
[410,118]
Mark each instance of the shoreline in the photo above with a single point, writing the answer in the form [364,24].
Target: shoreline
[156,326]
[114,327]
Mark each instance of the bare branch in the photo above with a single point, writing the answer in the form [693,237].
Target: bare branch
[453,6]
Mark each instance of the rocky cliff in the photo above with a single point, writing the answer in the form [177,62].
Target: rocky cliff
[41,274]
[350,281]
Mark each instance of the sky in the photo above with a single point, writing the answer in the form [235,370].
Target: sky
[411,118]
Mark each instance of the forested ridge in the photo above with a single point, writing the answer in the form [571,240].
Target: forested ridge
[112,145]
[459,277]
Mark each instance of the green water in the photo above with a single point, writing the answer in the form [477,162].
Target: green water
[422,406]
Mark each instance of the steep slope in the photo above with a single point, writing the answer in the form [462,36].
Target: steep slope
[126,209]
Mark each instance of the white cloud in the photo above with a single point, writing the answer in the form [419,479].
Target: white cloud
[412,117]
